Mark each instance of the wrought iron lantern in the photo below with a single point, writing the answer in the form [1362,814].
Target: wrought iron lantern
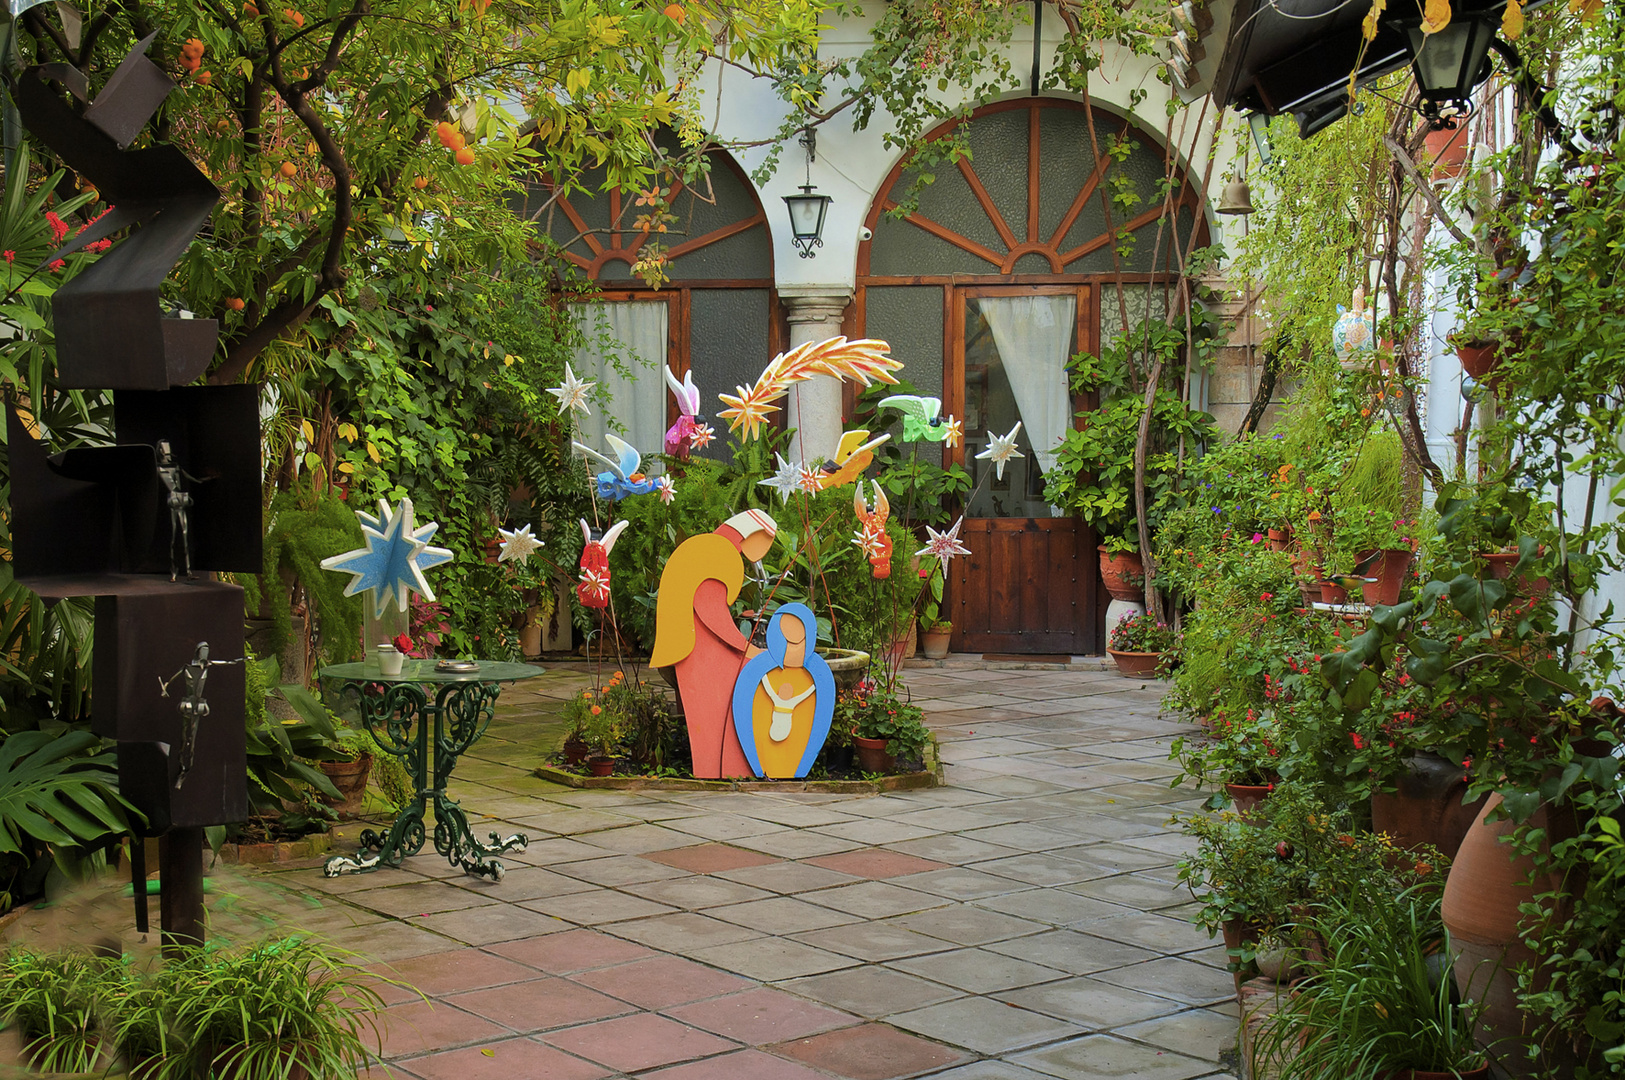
[1449,63]
[808,209]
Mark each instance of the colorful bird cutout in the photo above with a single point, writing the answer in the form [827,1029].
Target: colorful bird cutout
[593,589]
[518,544]
[852,456]
[1000,449]
[572,393]
[922,419]
[944,545]
[681,436]
[391,566]
[838,358]
[624,476]
[872,538]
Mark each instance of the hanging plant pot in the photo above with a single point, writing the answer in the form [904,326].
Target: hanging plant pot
[1427,807]
[1123,574]
[1388,568]
[1480,359]
[1135,665]
[872,755]
[1447,151]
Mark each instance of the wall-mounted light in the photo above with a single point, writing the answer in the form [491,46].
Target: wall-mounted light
[1449,63]
[807,210]
[1259,123]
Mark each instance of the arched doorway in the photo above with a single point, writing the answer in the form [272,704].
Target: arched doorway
[1004,270]
[718,315]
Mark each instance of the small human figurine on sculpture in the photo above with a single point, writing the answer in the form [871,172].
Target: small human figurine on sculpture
[180,506]
[696,634]
[195,707]
[784,699]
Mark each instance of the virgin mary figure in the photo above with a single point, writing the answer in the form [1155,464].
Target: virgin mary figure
[785,698]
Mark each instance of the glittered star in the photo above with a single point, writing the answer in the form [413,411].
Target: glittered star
[572,393]
[955,433]
[810,478]
[665,489]
[1000,449]
[944,545]
[391,565]
[701,437]
[870,543]
[787,480]
[517,544]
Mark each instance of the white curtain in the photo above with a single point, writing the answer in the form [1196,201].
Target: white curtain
[1035,335]
[625,350]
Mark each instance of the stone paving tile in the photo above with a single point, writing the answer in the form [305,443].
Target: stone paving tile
[873,992]
[1073,952]
[1179,979]
[490,924]
[984,1025]
[990,1070]
[770,959]
[1150,932]
[1198,1033]
[977,970]
[421,1026]
[965,925]
[509,1059]
[870,1052]
[420,898]
[682,932]
[522,883]
[965,883]
[761,1016]
[696,893]
[659,982]
[874,899]
[1134,891]
[539,1004]
[873,941]
[782,915]
[788,877]
[1101,1057]
[597,908]
[1054,906]
[637,839]
[1090,1002]
[954,849]
[710,858]
[460,969]
[797,844]
[570,951]
[618,870]
[635,1043]
[875,863]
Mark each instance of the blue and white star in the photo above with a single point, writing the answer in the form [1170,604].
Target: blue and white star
[518,544]
[391,566]
[1000,449]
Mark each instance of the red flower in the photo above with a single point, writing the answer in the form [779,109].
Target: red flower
[11,256]
[1359,743]
[59,228]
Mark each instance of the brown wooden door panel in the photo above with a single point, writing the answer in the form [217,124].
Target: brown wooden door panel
[1020,590]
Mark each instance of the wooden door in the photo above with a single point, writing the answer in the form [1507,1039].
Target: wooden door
[1030,584]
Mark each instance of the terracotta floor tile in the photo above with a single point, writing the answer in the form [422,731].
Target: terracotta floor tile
[422,1026]
[514,1059]
[449,972]
[870,1052]
[761,1016]
[572,950]
[710,858]
[539,1005]
[741,1065]
[644,1041]
[875,863]
[661,981]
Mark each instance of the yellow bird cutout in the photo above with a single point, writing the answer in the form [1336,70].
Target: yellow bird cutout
[852,456]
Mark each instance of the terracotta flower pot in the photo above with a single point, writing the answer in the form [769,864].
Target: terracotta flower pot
[872,755]
[1135,665]
[1500,567]
[601,766]
[1487,883]
[350,777]
[1279,539]
[1248,797]
[902,646]
[1480,1073]
[1123,574]
[1480,361]
[1426,808]
[934,643]
[1446,149]
[1333,593]
[575,750]
[1310,591]
[1389,570]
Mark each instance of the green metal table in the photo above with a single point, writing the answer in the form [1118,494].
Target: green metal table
[398,711]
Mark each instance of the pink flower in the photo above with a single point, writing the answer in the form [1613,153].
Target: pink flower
[59,264]
[1257,537]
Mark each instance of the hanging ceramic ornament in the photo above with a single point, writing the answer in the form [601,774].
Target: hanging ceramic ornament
[391,566]
[1354,334]
[784,699]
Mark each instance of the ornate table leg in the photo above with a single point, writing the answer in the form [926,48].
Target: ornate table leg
[462,713]
[396,715]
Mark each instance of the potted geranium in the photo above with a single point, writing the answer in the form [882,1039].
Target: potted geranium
[883,725]
[1241,752]
[1376,546]
[595,718]
[1140,644]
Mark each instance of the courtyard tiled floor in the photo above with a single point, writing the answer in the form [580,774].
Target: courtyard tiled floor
[1022,922]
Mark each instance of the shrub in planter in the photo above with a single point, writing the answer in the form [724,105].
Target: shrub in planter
[870,712]
[1139,644]
[55,1000]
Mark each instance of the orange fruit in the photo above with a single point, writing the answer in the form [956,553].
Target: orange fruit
[251,11]
[204,78]
[235,303]
[222,124]
[293,16]
[676,13]
[192,48]
[465,156]
[447,132]
[421,182]
[289,168]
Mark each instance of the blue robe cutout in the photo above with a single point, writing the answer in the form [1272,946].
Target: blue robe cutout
[750,677]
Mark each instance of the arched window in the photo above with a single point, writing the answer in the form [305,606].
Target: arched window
[717,316]
[1004,269]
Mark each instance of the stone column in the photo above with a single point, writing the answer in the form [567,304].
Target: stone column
[813,408]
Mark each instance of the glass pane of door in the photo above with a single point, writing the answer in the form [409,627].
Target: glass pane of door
[1016,348]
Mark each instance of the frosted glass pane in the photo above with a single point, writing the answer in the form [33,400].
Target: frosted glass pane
[733,202]
[1068,160]
[999,155]
[743,255]
[1142,301]
[727,347]
[901,248]
[950,201]
[1033,263]
[909,318]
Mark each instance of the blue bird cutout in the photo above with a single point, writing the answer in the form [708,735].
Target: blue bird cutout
[623,477]
[750,677]
[391,566]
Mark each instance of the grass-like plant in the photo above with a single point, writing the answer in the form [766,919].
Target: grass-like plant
[55,1000]
[1384,1000]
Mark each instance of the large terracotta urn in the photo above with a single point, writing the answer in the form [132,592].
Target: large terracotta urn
[1123,574]
[1427,807]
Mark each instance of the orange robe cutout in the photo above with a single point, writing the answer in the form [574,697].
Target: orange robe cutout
[705,681]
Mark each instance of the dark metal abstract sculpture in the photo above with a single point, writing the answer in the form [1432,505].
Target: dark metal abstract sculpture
[177,489]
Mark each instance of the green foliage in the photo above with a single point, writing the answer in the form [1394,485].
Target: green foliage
[280,752]
[297,538]
[1143,633]
[388,774]
[55,1000]
[872,712]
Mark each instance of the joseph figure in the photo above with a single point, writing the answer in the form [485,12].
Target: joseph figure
[695,633]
